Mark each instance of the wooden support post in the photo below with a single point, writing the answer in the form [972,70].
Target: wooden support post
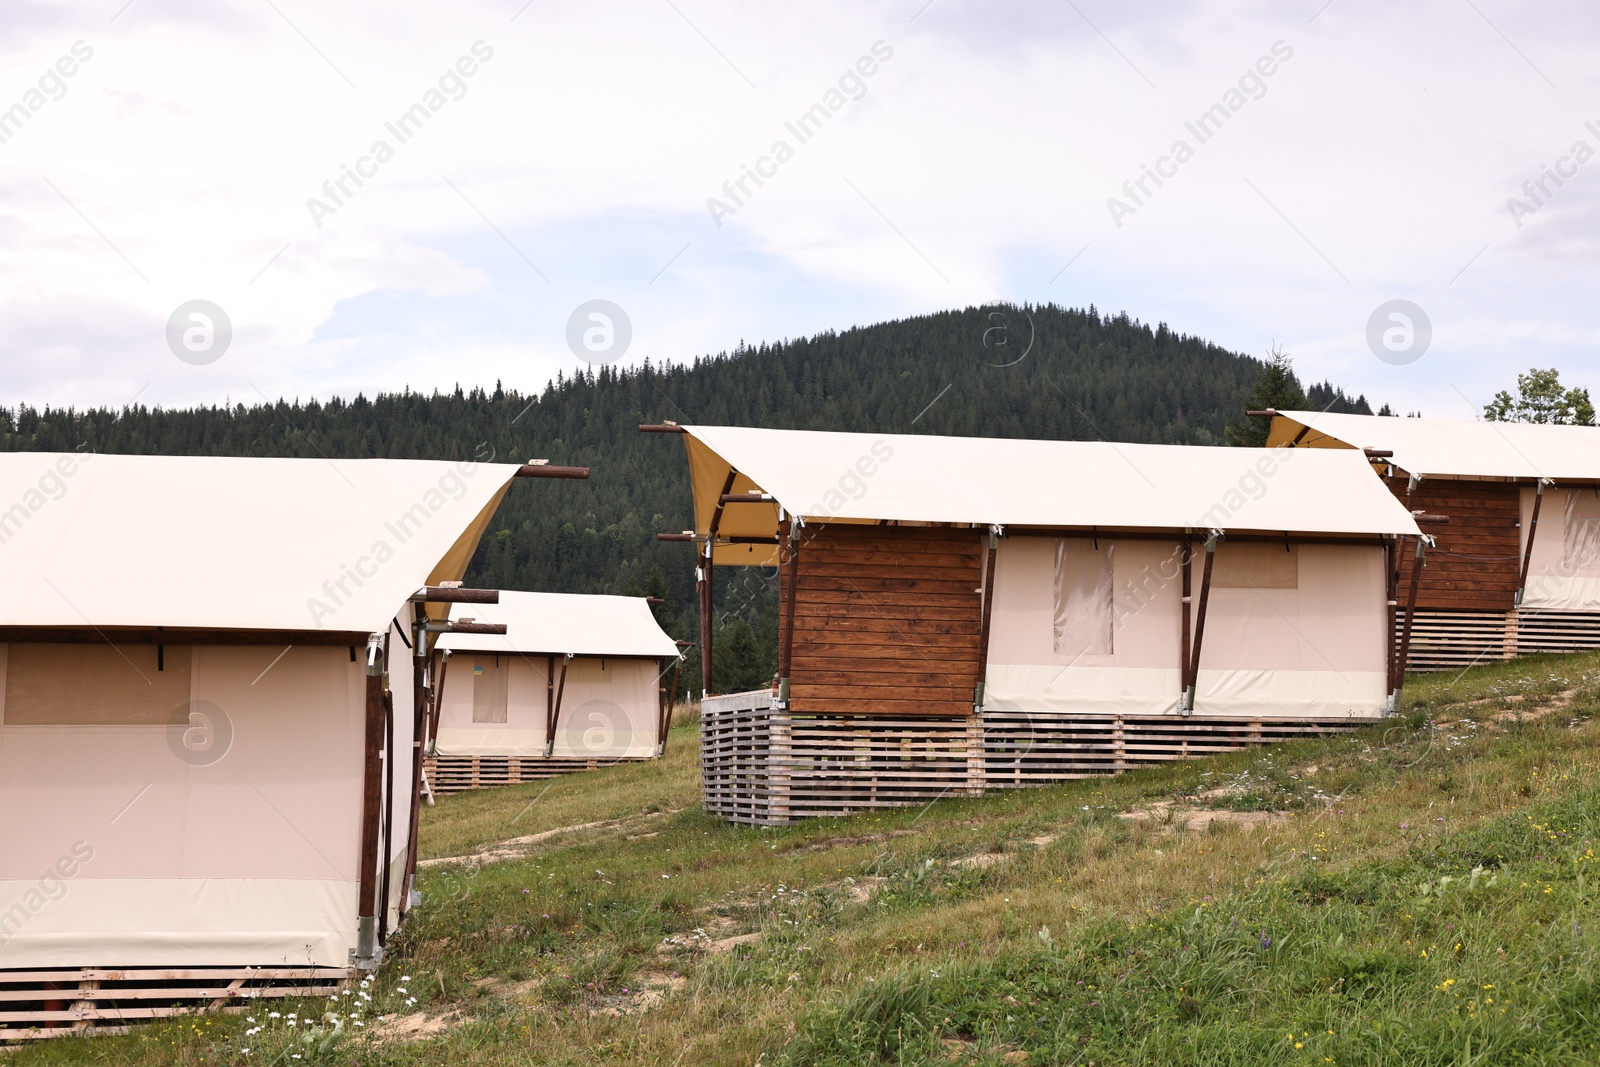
[708,583]
[85,1004]
[1527,552]
[1411,614]
[549,703]
[388,813]
[1391,591]
[977,758]
[420,656]
[1186,624]
[986,611]
[1119,746]
[555,707]
[443,661]
[706,592]
[790,542]
[1193,668]
[779,765]
[371,807]
[666,718]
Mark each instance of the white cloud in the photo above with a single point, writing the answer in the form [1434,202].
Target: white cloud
[975,163]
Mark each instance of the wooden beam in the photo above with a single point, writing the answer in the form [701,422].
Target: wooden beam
[746,498]
[419,722]
[544,470]
[1200,626]
[705,592]
[371,807]
[1411,612]
[1373,539]
[661,427]
[1263,413]
[388,815]
[986,609]
[1391,590]
[790,551]
[1186,563]
[686,536]
[672,695]
[447,594]
[722,500]
[443,660]
[549,702]
[1527,553]
[466,626]
[555,709]
[708,589]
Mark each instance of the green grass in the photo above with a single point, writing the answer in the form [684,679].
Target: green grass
[1425,895]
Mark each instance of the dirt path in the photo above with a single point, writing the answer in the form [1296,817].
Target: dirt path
[518,847]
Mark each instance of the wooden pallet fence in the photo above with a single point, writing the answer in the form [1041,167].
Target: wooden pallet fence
[762,766]
[460,774]
[1557,631]
[37,1004]
[1454,640]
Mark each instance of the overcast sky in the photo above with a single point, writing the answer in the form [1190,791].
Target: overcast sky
[1358,152]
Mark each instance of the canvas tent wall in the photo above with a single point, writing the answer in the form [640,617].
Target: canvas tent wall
[576,681]
[1517,566]
[196,714]
[1033,588]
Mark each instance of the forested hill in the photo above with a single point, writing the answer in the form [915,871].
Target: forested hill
[1041,372]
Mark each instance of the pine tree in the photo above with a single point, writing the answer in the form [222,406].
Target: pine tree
[1276,387]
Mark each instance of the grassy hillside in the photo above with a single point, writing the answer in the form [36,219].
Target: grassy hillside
[1419,893]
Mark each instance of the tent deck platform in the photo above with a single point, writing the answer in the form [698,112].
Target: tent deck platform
[460,774]
[763,766]
[76,1002]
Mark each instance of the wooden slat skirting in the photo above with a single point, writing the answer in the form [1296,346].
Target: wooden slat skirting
[763,767]
[1452,640]
[458,774]
[37,1004]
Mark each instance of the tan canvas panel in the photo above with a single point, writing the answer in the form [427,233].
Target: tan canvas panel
[1256,566]
[95,685]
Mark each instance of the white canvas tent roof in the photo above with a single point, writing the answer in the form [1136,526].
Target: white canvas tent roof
[1456,447]
[825,476]
[563,623]
[232,543]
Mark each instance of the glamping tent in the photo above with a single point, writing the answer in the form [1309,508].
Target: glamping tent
[206,775]
[958,614]
[575,682]
[1517,565]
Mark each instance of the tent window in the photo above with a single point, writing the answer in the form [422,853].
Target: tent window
[490,683]
[1083,601]
[1255,566]
[95,685]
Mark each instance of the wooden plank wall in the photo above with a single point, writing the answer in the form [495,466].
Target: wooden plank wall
[1478,560]
[887,620]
